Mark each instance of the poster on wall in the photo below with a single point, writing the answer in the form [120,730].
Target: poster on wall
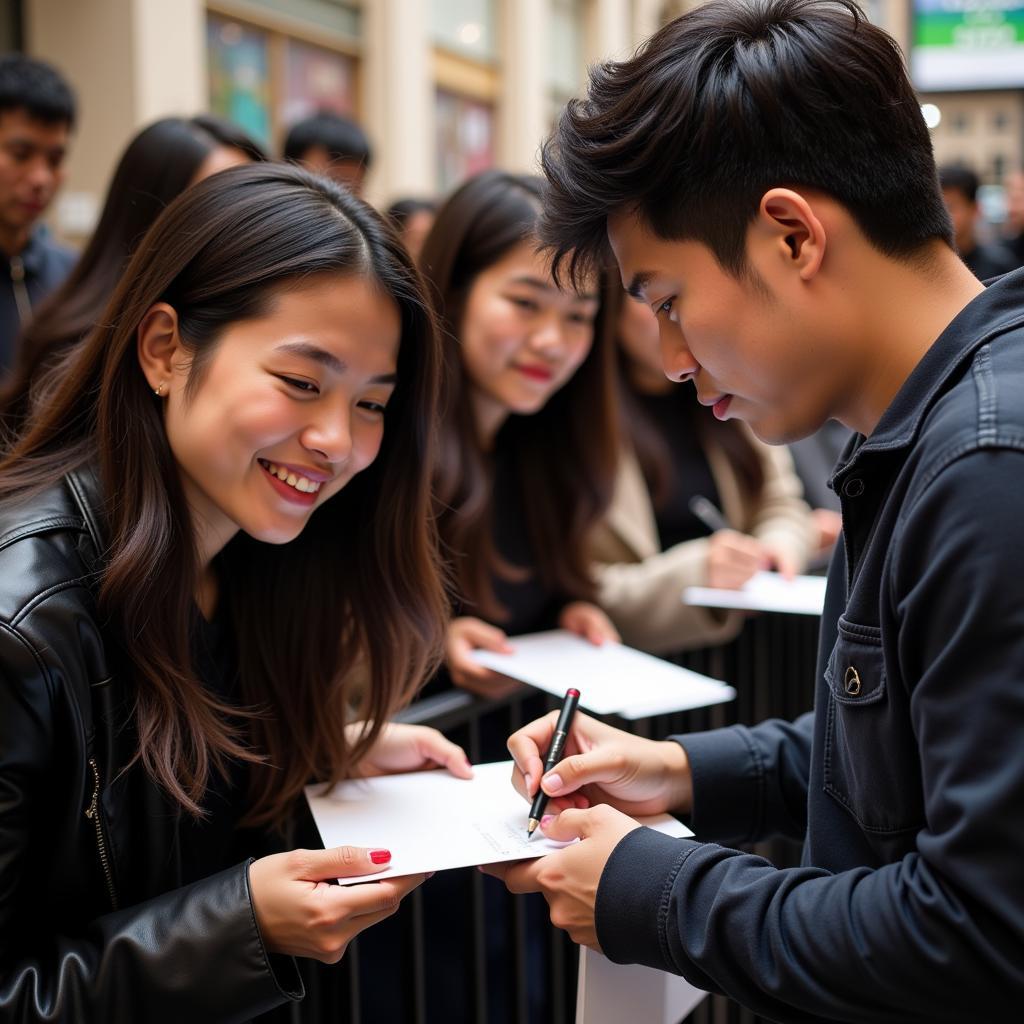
[465,138]
[967,44]
[238,67]
[316,79]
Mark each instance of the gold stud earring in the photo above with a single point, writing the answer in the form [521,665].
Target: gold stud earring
[159,391]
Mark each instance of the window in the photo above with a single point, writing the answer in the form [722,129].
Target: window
[266,74]
[467,27]
[337,16]
[465,138]
[316,79]
[239,68]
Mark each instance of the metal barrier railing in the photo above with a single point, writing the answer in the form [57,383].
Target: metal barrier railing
[461,949]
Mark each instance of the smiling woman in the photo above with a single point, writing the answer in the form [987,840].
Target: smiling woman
[528,429]
[184,591]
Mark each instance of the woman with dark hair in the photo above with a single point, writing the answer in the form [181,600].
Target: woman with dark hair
[412,219]
[159,163]
[183,595]
[229,135]
[652,544]
[528,429]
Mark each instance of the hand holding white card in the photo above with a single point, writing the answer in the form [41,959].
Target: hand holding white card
[431,821]
[613,679]
[765,592]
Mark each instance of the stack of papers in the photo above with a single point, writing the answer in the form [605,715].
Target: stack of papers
[765,592]
[432,821]
[612,679]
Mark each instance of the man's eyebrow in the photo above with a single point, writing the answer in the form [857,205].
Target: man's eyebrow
[641,279]
[308,350]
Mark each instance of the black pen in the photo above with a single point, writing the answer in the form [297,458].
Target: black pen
[555,752]
[707,513]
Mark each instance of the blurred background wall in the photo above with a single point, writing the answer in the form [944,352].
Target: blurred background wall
[448,87]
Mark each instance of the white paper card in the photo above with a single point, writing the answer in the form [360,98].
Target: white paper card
[610,993]
[612,679]
[765,592]
[432,821]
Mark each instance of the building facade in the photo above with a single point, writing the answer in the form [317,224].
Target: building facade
[443,87]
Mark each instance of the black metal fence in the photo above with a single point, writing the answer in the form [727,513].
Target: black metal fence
[461,949]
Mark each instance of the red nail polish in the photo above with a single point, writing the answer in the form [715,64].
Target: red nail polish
[380,856]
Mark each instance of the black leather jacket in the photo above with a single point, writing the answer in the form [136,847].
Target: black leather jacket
[94,921]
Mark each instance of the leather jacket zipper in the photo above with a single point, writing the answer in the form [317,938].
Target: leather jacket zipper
[92,812]
[20,289]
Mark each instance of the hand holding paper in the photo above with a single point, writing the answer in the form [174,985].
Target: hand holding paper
[765,592]
[431,821]
[410,748]
[569,878]
[300,914]
[619,680]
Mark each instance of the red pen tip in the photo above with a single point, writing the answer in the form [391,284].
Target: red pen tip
[572,693]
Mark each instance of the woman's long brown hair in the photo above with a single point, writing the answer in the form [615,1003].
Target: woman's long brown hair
[362,581]
[564,454]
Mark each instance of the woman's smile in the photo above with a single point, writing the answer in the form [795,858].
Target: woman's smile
[294,487]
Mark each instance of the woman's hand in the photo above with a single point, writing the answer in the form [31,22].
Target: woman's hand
[412,748]
[299,913]
[829,524]
[733,558]
[603,765]
[588,621]
[465,635]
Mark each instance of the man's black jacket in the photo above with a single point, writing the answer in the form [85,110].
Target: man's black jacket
[907,781]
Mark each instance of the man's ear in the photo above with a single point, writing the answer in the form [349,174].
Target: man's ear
[793,230]
[159,347]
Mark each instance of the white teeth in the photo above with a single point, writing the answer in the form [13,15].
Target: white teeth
[300,483]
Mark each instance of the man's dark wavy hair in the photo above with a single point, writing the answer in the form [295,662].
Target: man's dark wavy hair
[728,101]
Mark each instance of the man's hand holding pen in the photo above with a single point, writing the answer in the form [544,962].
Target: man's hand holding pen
[605,776]
[601,765]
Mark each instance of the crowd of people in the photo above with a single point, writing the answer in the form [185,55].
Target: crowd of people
[272,463]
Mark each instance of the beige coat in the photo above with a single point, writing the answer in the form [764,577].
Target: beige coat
[640,586]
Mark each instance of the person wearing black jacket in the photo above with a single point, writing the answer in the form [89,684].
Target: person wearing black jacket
[195,536]
[765,179]
[960,193]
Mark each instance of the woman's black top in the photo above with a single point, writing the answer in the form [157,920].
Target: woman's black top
[529,603]
[673,416]
[214,840]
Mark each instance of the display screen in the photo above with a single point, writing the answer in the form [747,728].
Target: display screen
[967,44]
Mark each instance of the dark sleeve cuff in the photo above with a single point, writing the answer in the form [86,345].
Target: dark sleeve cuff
[283,969]
[633,894]
[727,779]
